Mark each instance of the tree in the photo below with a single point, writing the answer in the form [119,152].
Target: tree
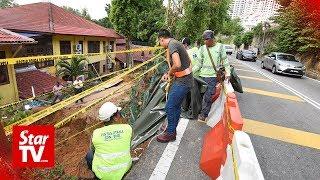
[232,27]
[247,39]
[200,15]
[72,68]
[237,41]
[70,9]
[105,22]
[83,13]
[137,19]
[7,4]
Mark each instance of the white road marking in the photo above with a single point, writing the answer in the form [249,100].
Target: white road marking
[161,170]
[304,97]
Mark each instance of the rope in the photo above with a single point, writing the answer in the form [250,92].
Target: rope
[70,137]
[234,160]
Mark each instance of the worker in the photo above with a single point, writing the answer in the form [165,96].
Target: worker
[192,52]
[109,156]
[179,68]
[207,71]
[57,91]
[78,87]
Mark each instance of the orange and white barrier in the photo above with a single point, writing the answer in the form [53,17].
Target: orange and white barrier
[215,142]
[217,107]
[241,162]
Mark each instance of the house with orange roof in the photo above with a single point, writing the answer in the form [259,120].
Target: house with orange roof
[45,29]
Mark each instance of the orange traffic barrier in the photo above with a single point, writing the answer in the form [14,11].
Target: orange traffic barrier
[215,142]
[213,151]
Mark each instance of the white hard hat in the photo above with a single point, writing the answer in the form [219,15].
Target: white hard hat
[107,110]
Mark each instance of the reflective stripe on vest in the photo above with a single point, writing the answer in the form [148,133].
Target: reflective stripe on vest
[113,168]
[112,151]
[112,155]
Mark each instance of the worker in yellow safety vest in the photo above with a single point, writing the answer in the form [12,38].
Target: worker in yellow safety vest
[192,52]
[109,157]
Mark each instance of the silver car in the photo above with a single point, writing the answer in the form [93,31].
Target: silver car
[283,63]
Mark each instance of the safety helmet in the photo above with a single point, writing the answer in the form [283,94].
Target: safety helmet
[107,110]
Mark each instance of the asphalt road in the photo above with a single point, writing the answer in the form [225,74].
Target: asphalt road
[279,159]
[279,101]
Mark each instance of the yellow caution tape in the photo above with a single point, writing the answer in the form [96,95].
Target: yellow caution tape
[41,114]
[235,164]
[33,59]
[151,69]
[83,110]
[89,80]
[234,160]
[137,50]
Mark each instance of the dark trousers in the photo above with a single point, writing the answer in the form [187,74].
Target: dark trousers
[173,107]
[56,97]
[77,91]
[89,159]
[207,97]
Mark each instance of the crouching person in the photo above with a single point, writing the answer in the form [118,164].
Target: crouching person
[109,157]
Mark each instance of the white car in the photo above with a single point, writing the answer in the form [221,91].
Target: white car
[229,49]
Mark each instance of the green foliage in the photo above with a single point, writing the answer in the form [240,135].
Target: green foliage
[83,12]
[237,41]
[7,4]
[232,27]
[257,30]
[105,22]
[72,68]
[18,115]
[298,30]
[200,15]
[247,39]
[137,19]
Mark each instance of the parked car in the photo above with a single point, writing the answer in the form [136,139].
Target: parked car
[283,63]
[246,55]
[229,49]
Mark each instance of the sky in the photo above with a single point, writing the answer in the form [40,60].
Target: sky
[96,8]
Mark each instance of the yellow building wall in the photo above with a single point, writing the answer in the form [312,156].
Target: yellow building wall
[75,40]
[9,92]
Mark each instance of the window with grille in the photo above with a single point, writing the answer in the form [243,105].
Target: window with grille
[65,47]
[93,46]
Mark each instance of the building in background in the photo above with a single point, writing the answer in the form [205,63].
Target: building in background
[56,31]
[252,12]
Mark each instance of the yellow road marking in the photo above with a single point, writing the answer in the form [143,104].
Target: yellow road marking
[256,78]
[246,70]
[273,94]
[288,135]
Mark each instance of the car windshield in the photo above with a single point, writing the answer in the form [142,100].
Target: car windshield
[228,47]
[285,57]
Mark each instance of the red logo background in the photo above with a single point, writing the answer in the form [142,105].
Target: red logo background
[47,159]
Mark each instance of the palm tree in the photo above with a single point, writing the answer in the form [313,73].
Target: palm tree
[73,68]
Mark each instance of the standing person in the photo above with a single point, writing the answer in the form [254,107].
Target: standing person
[192,102]
[78,87]
[57,91]
[179,68]
[206,70]
[109,155]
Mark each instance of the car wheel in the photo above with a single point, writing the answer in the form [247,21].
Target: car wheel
[274,70]
[262,65]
